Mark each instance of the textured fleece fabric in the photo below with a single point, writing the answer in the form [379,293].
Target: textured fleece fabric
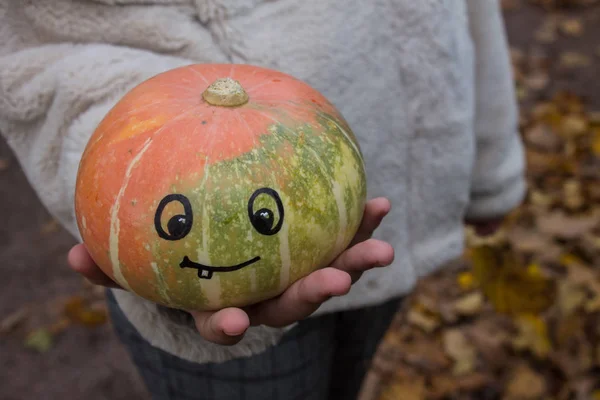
[426,86]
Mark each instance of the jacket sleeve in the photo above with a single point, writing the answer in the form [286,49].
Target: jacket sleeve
[53,96]
[498,181]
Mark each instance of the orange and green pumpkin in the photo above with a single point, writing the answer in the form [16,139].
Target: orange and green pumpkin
[216,185]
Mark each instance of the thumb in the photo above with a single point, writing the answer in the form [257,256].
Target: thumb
[226,326]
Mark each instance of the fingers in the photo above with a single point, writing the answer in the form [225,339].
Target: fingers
[225,327]
[363,256]
[301,299]
[375,210]
[80,261]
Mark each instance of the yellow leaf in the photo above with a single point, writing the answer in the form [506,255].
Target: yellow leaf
[511,287]
[532,336]
[77,310]
[568,260]
[466,281]
[534,271]
[40,340]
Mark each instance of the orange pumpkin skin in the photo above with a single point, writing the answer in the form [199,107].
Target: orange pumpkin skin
[202,206]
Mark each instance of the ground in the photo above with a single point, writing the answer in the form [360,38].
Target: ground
[55,343]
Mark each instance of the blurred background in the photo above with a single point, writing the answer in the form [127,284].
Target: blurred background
[517,317]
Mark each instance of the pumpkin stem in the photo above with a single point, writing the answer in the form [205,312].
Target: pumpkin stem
[225,92]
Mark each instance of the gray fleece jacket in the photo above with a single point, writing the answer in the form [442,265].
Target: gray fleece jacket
[426,86]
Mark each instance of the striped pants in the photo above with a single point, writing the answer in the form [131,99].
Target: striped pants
[322,358]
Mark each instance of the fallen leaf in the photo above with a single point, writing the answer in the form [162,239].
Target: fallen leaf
[573,198]
[538,161]
[491,339]
[40,340]
[571,296]
[573,126]
[469,305]
[458,347]
[421,353]
[590,243]
[575,359]
[547,32]
[49,227]
[570,328]
[563,226]
[466,281]
[529,241]
[77,310]
[405,389]
[542,137]
[511,287]
[573,59]
[525,384]
[540,199]
[537,80]
[578,274]
[532,336]
[4,164]
[596,142]
[572,27]
[517,56]
[426,322]
[12,320]
[446,386]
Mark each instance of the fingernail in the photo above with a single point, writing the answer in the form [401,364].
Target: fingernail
[234,332]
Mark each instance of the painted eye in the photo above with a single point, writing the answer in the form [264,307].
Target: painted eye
[267,220]
[179,225]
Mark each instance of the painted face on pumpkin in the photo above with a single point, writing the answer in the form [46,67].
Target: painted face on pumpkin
[180,225]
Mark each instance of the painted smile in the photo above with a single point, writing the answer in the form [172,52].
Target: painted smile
[206,271]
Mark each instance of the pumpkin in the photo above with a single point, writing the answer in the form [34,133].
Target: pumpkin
[216,185]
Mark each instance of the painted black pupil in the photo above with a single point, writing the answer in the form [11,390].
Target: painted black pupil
[263,220]
[177,225]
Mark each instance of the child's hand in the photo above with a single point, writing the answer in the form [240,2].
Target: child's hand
[227,326]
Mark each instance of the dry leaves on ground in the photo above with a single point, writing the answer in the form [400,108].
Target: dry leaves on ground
[519,316]
[39,325]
